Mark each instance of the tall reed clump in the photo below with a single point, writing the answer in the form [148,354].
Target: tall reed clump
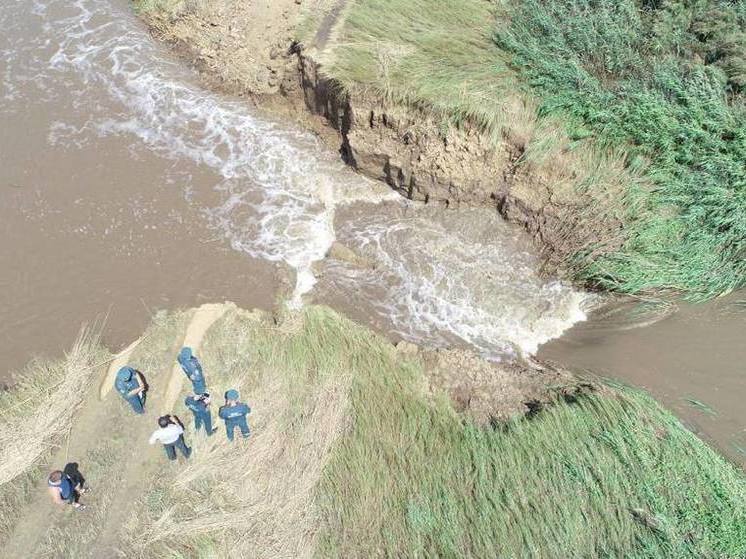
[664,81]
[36,415]
[606,476]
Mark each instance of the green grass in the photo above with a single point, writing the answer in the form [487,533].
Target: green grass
[350,458]
[608,476]
[431,53]
[645,104]
[611,475]
[662,83]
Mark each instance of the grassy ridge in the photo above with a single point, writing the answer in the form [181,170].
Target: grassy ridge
[664,82]
[349,458]
[35,418]
[398,475]
[604,477]
[643,105]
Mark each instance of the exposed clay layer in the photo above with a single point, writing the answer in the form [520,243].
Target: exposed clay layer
[490,392]
[406,147]
[410,150]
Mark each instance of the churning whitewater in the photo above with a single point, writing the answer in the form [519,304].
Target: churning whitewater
[437,277]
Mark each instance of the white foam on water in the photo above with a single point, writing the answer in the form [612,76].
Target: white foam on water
[282,189]
[458,275]
[279,191]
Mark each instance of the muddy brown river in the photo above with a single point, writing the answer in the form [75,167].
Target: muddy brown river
[126,188]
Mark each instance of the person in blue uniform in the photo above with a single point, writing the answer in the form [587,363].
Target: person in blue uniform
[192,369]
[200,406]
[132,387]
[234,414]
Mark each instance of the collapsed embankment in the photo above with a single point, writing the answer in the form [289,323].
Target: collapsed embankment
[409,149]
[615,177]
[359,448]
[412,149]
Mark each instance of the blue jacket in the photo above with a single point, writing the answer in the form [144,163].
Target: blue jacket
[124,387]
[65,485]
[190,365]
[234,413]
[198,407]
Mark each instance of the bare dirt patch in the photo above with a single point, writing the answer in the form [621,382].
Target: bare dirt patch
[491,393]
[242,45]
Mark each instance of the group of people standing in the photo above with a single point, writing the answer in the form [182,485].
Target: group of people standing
[67,486]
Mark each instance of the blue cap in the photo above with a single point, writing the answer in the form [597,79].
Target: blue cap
[124,374]
[232,394]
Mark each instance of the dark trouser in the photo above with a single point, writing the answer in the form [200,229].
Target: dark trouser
[73,498]
[137,402]
[181,445]
[201,419]
[77,479]
[241,423]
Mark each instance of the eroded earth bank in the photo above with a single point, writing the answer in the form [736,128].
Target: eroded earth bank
[446,437]
[290,68]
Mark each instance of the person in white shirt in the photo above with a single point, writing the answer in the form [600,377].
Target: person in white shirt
[171,435]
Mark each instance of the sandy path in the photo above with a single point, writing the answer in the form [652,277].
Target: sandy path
[161,400]
[94,422]
[203,318]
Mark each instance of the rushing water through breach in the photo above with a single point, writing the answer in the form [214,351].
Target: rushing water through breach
[99,85]
[126,186]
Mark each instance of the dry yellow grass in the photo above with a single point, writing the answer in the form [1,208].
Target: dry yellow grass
[268,480]
[252,497]
[38,413]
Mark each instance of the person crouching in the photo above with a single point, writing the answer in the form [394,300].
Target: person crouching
[65,490]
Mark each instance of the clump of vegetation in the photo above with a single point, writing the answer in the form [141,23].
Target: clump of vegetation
[610,475]
[665,81]
[645,101]
[36,415]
